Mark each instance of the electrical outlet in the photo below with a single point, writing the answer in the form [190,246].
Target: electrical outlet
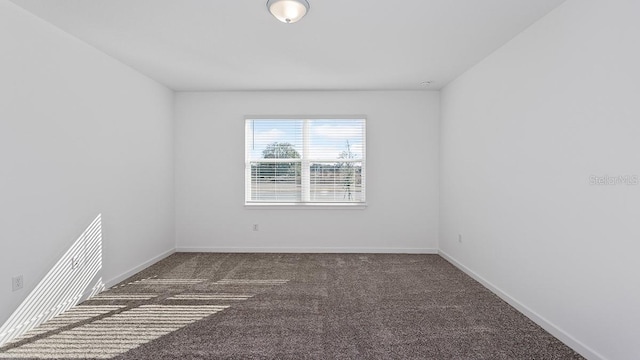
[75,263]
[255,227]
[460,238]
[17,283]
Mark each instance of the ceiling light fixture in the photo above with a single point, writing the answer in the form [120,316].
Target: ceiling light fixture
[288,11]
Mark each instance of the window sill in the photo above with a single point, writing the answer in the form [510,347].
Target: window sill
[316,206]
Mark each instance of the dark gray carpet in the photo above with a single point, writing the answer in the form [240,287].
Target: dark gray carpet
[294,306]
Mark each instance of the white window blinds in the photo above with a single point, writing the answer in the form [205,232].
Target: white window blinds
[305,161]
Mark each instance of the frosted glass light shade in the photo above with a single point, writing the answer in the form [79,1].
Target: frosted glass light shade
[288,11]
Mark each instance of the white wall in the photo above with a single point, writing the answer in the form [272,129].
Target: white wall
[402,133]
[80,134]
[521,134]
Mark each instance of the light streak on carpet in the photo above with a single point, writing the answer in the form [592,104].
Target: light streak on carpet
[114,335]
[131,283]
[209,296]
[155,281]
[124,297]
[251,282]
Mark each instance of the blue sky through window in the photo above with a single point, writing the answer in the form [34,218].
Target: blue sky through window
[327,137]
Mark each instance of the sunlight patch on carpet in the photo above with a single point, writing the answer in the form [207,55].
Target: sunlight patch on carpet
[72,316]
[114,335]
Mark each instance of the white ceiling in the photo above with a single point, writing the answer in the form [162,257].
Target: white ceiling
[339,45]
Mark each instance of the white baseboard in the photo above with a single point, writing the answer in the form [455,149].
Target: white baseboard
[569,340]
[319,250]
[109,283]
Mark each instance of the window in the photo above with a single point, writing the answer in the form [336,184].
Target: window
[305,161]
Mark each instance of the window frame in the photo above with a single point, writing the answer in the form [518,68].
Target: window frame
[305,165]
